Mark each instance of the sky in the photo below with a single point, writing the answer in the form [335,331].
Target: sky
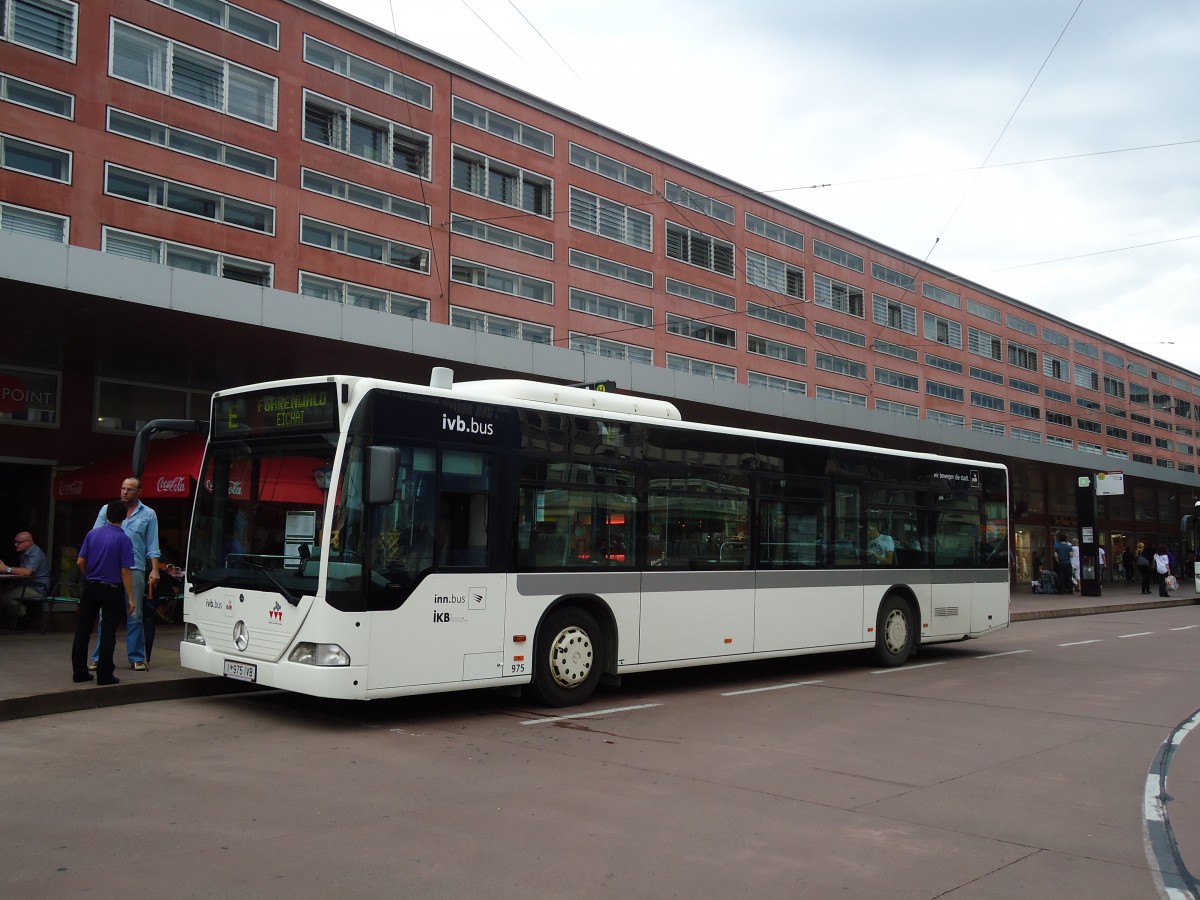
[1046,149]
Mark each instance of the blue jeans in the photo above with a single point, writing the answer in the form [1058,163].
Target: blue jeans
[135,639]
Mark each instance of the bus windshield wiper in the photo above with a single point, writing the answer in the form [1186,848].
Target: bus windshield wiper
[279,586]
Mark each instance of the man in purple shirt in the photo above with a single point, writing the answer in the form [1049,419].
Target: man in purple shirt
[106,559]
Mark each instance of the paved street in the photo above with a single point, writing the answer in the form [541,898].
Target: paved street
[1011,766]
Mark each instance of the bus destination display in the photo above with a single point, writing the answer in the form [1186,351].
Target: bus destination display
[306,408]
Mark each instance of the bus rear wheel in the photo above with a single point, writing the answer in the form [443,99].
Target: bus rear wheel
[895,632]
[567,658]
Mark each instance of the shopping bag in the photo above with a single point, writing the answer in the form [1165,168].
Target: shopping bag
[1172,583]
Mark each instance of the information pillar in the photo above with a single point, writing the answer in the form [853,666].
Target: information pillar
[1085,511]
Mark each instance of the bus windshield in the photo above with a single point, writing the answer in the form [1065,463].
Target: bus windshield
[259,511]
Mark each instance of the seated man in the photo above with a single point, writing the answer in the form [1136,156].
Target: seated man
[35,565]
[881,549]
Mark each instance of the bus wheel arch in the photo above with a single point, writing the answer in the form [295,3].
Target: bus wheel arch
[573,648]
[897,627]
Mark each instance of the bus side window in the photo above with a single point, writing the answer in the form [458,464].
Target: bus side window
[462,538]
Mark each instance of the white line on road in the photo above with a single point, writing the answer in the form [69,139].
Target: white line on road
[1008,653]
[906,668]
[1138,634]
[1080,643]
[586,715]
[1185,627]
[774,687]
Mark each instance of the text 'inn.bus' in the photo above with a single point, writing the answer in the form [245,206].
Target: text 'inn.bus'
[356,538]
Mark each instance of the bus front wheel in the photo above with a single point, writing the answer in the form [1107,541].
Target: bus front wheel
[895,632]
[568,660]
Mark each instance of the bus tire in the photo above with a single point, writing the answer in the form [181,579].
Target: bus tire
[895,632]
[567,657]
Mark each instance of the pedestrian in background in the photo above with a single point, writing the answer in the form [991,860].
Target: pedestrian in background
[1162,565]
[1062,563]
[1143,564]
[141,524]
[36,569]
[106,558]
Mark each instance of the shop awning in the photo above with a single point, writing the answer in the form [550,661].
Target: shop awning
[289,479]
[172,466]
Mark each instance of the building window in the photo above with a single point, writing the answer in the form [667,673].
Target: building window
[984,344]
[502,237]
[896,379]
[151,132]
[882,273]
[688,199]
[944,391]
[941,295]
[699,249]
[373,75]
[699,294]
[33,223]
[357,133]
[587,343]
[986,401]
[762,346]
[843,258]
[837,295]
[1114,387]
[1054,367]
[611,308]
[1024,434]
[1055,418]
[169,67]
[774,275]
[490,323]
[895,350]
[1022,357]
[611,269]
[1055,338]
[1064,443]
[993,428]
[1022,325]
[349,294]
[231,18]
[338,239]
[701,367]
[184,198]
[838,396]
[183,256]
[943,331]
[975,308]
[361,195]
[841,335]
[1086,349]
[944,418]
[1027,387]
[699,330]
[502,126]
[1058,396]
[1089,447]
[840,365]
[1088,425]
[893,314]
[898,409]
[986,375]
[1087,378]
[40,160]
[775,383]
[775,316]
[610,219]
[502,281]
[1024,410]
[125,406]
[607,167]
[501,182]
[36,96]
[47,26]
[1116,433]
[773,232]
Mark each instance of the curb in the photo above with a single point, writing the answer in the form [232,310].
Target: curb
[96,697]
[1061,613]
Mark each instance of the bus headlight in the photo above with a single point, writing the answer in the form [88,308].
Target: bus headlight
[311,654]
[192,635]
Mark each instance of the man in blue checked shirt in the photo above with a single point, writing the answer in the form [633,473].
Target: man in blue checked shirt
[141,524]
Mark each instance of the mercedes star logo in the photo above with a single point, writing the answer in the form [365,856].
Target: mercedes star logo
[241,637]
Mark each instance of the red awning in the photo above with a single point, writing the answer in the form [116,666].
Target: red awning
[172,466]
[288,479]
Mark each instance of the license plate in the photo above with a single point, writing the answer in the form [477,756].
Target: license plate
[241,671]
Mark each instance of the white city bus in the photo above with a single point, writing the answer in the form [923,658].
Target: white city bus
[356,538]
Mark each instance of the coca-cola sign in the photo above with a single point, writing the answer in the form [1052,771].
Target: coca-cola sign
[176,485]
[70,488]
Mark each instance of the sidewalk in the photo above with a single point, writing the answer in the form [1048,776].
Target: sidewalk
[35,669]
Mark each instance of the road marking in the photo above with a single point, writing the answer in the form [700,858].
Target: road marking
[1171,876]
[1080,643]
[906,668]
[774,687]
[1008,653]
[1138,634]
[1185,627]
[587,715]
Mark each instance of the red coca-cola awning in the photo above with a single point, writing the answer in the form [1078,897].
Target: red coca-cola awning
[289,479]
[172,466]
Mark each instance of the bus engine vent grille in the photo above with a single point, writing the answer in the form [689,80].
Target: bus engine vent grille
[945,611]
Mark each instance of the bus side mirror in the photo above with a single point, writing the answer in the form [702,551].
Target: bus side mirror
[382,463]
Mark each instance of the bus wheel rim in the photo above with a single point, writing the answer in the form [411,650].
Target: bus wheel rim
[895,631]
[571,657]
